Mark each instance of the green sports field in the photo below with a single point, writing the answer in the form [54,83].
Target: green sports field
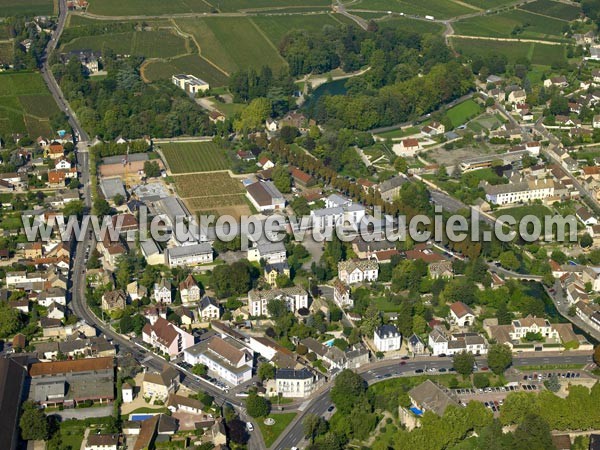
[26,8]
[25,105]
[461,113]
[189,157]
[150,44]
[232,43]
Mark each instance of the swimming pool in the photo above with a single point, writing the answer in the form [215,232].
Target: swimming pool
[140,417]
[329,343]
[416,411]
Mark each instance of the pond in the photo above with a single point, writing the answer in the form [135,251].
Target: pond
[332,88]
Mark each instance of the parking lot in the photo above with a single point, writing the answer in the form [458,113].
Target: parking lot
[214,381]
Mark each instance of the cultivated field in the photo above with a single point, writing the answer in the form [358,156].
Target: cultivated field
[191,64]
[150,44]
[554,9]
[244,5]
[543,54]
[207,185]
[441,9]
[6,52]
[534,26]
[188,157]
[487,4]
[275,27]
[212,193]
[25,104]
[26,7]
[411,25]
[146,7]
[232,43]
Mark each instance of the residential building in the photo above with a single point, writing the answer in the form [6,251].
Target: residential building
[13,372]
[428,396]
[179,403]
[294,383]
[272,271]
[159,386]
[443,343]
[407,147]
[586,217]
[209,309]
[519,192]
[440,269]
[53,295]
[270,252]
[461,315]
[113,300]
[189,255]
[224,359]
[189,291]
[341,295]
[415,345]
[294,297]
[102,441]
[390,189]
[163,292]
[167,337]
[358,271]
[387,338]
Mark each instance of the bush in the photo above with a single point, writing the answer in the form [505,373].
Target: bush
[481,380]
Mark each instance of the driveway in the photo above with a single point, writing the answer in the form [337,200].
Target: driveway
[84,413]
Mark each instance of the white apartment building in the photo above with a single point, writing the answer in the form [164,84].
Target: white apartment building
[358,271]
[190,83]
[294,383]
[189,255]
[520,192]
[270,252]
[225,360]
[295,298]
[531,324]
[442,343]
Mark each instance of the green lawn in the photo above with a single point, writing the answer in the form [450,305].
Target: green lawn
[518,212]
[232,43]
[461,113]
[503,24]
[189,64]
[194,157]
[150,44]
[6,52]
[394,134]
[26,8]
[271,433]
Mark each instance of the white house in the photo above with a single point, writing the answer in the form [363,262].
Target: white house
[442,343]
[341,295]
[179,403]
[461,314]
[167,337]
[162,292]
[209,309]
[189,291]
[387,338]
[224,359]
[407,147]
[357,271]
[127,393]
[52,295]
[586,217]
[102,441]
[190,83]
[270,252]
[519,192]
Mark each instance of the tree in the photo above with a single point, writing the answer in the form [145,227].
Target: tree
[10,320]
[33,423]
[597,355]
[277,308]
[237,431]
[314,426]
[509,260]
[400,164]
[101,207]
[151,169]
[586,240]
[288,133]
[126,324]
[257,406]
[552,383]
[266,371]
[481,380]
[199,369]
[74,183]
[253,116]
[347,390]
[534,433]
[118,199]
[282,179]
[499,358]
[463,363]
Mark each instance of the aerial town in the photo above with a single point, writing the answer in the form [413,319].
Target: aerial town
[436,280]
